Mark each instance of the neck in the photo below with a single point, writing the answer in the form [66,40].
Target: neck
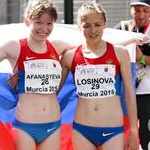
[94,46]
[94,51]
[37,46]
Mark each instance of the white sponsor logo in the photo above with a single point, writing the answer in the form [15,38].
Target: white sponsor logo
[28,58]
[49,130]
[107,134]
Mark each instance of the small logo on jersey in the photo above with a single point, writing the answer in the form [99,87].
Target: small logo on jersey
[107,134]
[54,65]
[49,130]
[52,56]
[106,69]
[29,58]
[109,61]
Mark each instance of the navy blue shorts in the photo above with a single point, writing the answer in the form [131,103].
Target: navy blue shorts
[38,131]
[97,135]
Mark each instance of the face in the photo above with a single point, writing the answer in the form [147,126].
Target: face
[92,26]
[41,28]
[140,15]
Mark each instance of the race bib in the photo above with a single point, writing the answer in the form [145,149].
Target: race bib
[42,76]
[95,81]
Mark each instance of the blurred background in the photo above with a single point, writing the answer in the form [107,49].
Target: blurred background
[11,11]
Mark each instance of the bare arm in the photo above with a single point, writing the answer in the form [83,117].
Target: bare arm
[65,72]
[130,99]
[137,40]
[10,50]
[3,52]
[13,80]
[61,46]
[66,61]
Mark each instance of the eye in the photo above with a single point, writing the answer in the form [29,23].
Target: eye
[98,24]
[146,10]
[86,26]
[38,22]
[50,24]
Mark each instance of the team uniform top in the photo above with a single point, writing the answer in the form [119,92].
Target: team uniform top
[96,77]
[38,73]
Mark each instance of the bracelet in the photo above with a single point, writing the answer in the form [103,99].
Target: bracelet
[142,61]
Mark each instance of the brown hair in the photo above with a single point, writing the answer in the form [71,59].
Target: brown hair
[35,8]
[87,8]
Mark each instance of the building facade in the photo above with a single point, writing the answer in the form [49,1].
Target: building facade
[11,11]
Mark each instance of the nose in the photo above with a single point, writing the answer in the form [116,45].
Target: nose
[44,27]
[93,29]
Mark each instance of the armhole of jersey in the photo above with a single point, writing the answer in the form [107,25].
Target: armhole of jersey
[73,64]
[51,47]
[15,69]
[111,46]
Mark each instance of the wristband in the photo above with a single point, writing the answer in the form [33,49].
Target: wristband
[142,61]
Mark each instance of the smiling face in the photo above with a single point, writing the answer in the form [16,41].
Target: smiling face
[91,21]
[92,26]
[140,15]
[40,16]
[41,27]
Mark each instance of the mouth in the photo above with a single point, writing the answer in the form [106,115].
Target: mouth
[93,36]
[42,34]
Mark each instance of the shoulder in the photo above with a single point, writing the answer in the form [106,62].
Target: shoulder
[11,47]
[119,47]
[70,53]
[121,53]
[61,46]
[9,43]
[10,50]
[68,56]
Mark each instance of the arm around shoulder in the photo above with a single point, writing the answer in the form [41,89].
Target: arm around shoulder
[66,61]
[61,46]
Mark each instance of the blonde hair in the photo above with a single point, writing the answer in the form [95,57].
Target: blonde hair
[35,8]
[88,7]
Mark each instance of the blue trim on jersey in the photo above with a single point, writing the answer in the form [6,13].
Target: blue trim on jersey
[118,84]
[21,82]
[123,104]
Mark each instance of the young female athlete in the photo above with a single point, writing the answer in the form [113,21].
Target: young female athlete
[98,68]
[37,116]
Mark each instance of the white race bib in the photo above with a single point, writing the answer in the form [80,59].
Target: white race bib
[42,76]
[95,81]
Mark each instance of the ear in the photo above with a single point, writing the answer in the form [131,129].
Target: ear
[26,21]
